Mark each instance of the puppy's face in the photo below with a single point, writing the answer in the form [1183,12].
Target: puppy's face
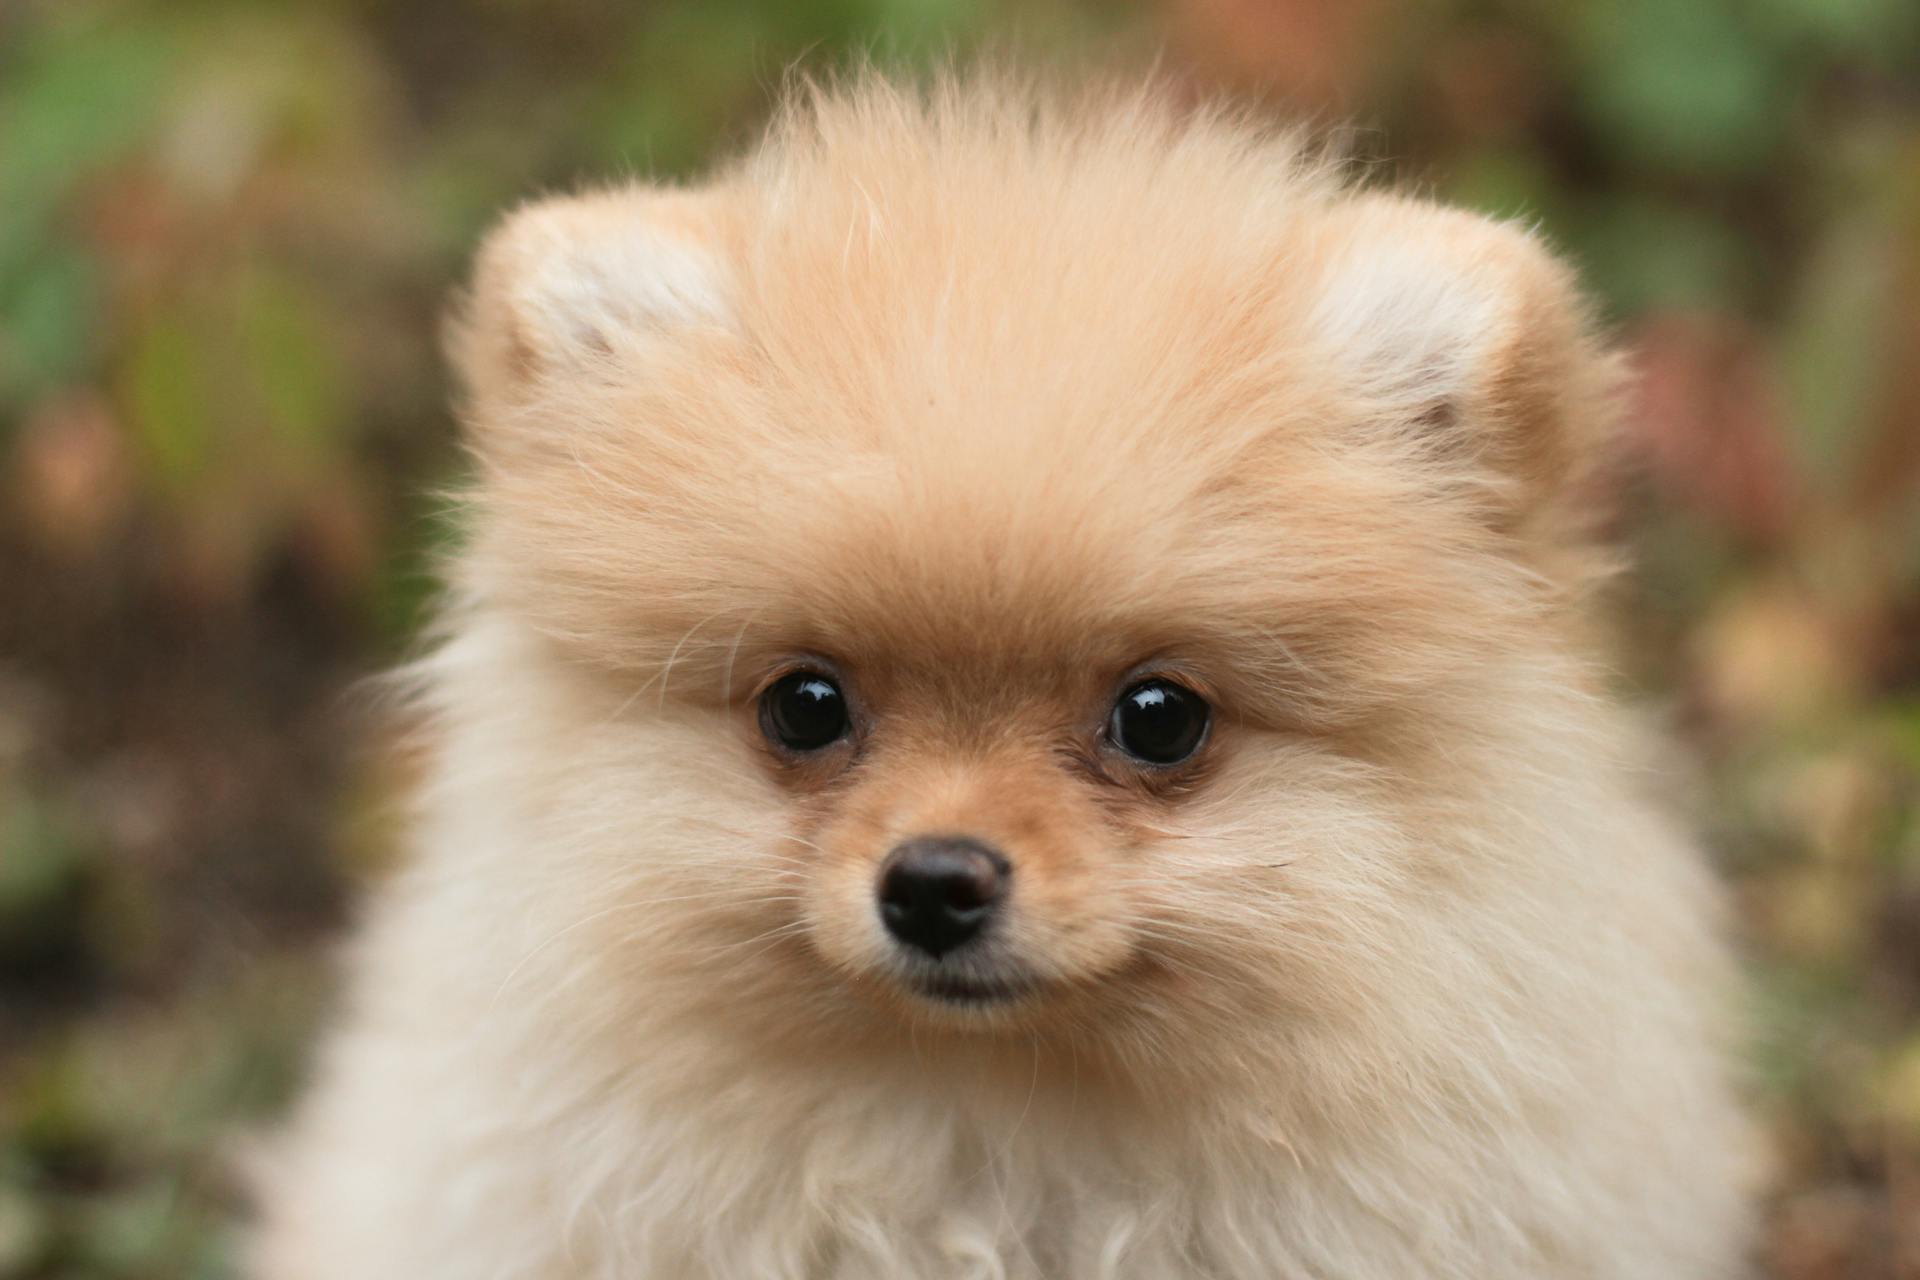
[1020,621]
[974,823]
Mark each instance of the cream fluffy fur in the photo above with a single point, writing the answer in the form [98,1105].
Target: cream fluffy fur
[987,397]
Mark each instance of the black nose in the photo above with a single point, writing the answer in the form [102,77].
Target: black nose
[938,892]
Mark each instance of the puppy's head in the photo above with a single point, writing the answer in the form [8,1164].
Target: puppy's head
[1018,574]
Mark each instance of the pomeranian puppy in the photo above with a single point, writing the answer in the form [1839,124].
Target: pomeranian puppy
[1021,701]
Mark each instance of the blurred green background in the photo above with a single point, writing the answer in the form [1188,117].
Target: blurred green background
[227,232]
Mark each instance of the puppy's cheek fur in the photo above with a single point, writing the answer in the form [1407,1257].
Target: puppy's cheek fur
[664,842]
[1259,882]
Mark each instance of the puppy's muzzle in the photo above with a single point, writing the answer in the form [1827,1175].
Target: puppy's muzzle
[938,893]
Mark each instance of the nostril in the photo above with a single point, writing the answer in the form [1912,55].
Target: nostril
[940,882]
[937,892]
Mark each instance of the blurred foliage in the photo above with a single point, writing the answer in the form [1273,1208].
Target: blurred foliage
[227,230]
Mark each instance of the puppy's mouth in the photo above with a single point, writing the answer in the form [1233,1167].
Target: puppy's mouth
[967,992]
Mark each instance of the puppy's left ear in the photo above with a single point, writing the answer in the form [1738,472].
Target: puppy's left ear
[573,286]
[1467,339]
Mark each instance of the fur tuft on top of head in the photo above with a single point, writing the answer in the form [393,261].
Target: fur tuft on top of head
[905,299]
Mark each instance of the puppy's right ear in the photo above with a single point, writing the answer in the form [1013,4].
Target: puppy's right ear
[570,287]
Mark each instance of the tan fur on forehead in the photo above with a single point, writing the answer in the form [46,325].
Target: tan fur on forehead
[963,354]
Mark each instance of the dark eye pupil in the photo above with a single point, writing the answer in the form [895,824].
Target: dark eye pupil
[1159,721]
[804,711]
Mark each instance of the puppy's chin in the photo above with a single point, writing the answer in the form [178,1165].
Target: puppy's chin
[968,1008]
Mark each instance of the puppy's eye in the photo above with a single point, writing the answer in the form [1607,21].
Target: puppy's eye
[804,711]
[1159,722]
